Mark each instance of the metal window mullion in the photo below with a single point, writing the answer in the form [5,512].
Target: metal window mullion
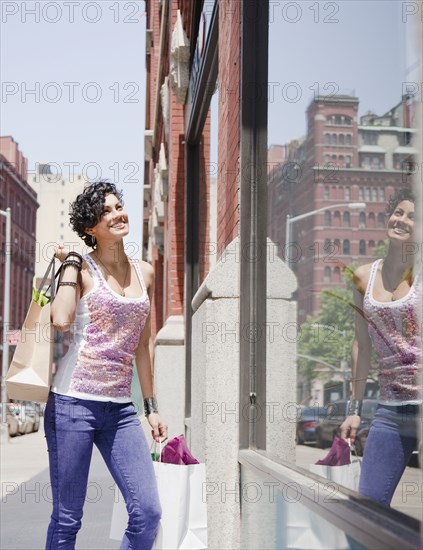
[253,222]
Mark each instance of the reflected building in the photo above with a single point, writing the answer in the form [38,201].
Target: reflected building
[342,159]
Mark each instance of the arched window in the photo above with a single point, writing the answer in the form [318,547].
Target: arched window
[327,159]
[334,160]
[371,220]
[360,194]
[362,219]
[337,275]
[337,218]
[367,194]
[347,193]
[326,276]
[327,246]
[348,139]
[381,194]
[341,139]
[346,247]
[348,161]
[346,219]
[380,243]
[362,247]
[337,246]
[371,244]
[328,217]
[327,139]
[326,192]
[348,121]
[381,220]
[338,119]
[341,161]
[334,140]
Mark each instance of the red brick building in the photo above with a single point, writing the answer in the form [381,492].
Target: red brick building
[341,160]
[17,194]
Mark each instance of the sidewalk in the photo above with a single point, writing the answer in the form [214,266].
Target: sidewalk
[26,497]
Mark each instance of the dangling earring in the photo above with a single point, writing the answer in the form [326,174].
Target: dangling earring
[93,238]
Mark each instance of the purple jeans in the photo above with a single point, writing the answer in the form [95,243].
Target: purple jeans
[72,426]
[390,444]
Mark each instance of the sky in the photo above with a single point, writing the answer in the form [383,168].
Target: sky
[86,61]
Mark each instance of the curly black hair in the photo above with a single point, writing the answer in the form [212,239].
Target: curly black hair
[86,210]
[402,194]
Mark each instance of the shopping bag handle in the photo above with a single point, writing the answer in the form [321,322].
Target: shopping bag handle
[154,442]
[53,276]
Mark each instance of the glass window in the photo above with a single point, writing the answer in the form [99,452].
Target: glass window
[374,194]
[334,140]
[326,192]
[381,220]
[347,193]
[341,139]
[362,219]
[347,161]
[346,219]
[326,245]
[337,246]
[381,194]
[371,244]
[346,246]
[367,194]
[348,139]
[376,163]
[362,247]
[337,119]
[327,159]
[328,218]
[360,194]
[326,276]
[327,139]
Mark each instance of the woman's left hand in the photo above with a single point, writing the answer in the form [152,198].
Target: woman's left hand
[159,431]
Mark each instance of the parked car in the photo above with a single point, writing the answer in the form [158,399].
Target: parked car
[11,413]
[32,413]
[307,422]
[336,413]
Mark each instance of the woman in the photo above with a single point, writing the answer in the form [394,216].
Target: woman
[104,297]
[387,296]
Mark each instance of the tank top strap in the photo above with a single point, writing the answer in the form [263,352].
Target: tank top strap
[136,264]
[373,271]
[93,267]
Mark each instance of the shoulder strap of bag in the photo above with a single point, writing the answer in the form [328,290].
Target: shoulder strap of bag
[53,276]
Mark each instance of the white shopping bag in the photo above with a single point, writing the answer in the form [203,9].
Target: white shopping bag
[183,525]
[347,476]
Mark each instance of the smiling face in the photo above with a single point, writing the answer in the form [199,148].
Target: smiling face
[401,222]
[113,222]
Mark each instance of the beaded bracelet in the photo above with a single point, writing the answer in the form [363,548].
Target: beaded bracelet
[355,407]
[150,405]
[72,253]
[75,263]
[67,283]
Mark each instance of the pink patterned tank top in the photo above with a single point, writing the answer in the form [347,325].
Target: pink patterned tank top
[394,331]
[105,335]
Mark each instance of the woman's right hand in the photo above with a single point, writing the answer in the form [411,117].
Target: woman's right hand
[61,252]
[349,427]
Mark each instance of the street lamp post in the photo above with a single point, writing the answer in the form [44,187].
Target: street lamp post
[344,363]
[291,219]
[6,304]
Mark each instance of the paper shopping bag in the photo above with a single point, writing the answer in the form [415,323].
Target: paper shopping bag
[183,525]
[347,475]
[29,374]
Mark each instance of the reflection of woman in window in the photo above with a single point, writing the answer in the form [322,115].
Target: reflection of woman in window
[387,297]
